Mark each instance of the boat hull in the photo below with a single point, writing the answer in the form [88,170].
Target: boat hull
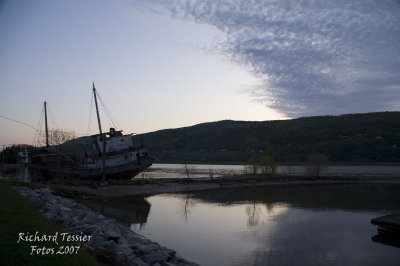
[126,170]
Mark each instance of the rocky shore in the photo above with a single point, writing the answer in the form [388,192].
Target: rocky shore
[110,242]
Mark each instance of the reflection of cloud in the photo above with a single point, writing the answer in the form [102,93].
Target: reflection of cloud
[255,212]
[316,57]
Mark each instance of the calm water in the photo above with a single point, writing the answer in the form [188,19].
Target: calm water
[204,171]
[303,225]
[21,172]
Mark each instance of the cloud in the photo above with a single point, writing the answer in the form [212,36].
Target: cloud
[315,57]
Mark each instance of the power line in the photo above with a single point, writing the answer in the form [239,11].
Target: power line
[18,122]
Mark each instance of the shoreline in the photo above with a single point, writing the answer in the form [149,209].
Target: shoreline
[61,204]
[160,186]
[104,238]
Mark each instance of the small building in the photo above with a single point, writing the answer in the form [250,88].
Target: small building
[23,156]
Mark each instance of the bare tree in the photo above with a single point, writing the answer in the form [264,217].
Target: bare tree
[211,173]
[187,170]
[58,136]
[188,205]
[316,162]
[267,161]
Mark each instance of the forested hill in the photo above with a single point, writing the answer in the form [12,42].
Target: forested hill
[352,137]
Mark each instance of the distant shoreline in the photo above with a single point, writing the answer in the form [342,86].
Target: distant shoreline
[329,163]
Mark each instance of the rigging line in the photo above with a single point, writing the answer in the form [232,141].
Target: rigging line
[39,134]
[52,117]
[110,121]
[112,118]
[18,122]
[37,127]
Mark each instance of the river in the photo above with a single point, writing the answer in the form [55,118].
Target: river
[205,171]
[286,225]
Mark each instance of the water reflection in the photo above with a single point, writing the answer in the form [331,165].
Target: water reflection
[18,172]
[133,211]
[391,241]
[302,225]
[354,197]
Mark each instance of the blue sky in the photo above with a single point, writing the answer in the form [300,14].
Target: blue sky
[167,64]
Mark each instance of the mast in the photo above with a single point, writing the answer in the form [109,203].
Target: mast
[97,111]
[45,126]
[101,137]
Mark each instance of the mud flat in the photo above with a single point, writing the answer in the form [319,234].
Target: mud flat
[132,190]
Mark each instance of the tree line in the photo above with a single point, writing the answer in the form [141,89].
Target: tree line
[370,137]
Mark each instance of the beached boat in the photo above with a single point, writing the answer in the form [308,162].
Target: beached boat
[110,155]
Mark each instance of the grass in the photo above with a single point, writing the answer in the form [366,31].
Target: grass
[18,215]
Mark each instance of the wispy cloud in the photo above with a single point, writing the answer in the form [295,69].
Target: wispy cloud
[316,57]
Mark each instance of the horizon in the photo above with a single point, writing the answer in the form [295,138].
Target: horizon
[208,122]
[163,65]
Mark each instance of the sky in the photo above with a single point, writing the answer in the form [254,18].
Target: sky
[166,64]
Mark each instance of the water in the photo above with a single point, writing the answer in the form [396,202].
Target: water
[20,172]
[298,225]
[204,171]
[15,171]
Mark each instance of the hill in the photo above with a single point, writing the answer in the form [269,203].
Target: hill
[370,137]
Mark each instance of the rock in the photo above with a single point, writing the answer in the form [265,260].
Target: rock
[136,261]
[106,257]
[97,237]
[188,263]
[113,234]
[65,209]
[106,245]
[65,213]
[150,247]
[165,263]
[122,240]
[90,218]
[111,242]
[59,218]
[50,214]
[123,249]
[169,252]
[155,256]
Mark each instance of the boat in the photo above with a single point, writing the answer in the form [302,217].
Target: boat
[103,156]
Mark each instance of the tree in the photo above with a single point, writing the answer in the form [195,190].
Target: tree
[58,136]
[316,161]
[251,153]
[267,161]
